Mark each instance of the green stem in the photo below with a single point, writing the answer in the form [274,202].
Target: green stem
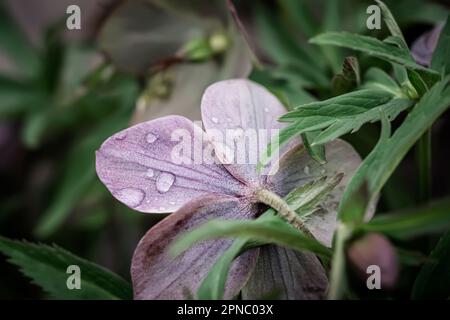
[338,278]
[424,165]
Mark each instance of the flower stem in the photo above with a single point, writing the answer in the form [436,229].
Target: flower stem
[284,211]
[338,278]
[423,155]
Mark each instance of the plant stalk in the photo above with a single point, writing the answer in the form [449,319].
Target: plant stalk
[284,211]
[423,155]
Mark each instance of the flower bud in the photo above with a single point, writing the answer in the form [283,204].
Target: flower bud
[374,250]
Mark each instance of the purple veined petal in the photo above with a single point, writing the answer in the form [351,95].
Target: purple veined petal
[296,168]
[245,115]
[158,275]
[143,166]
[422,49]
[286,274]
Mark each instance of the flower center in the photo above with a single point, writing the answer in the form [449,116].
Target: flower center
[284,211]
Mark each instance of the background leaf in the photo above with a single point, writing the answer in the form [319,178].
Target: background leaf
[47,267]
[433,281]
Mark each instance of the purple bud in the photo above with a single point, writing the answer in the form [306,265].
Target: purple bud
[423,48]
[374,251]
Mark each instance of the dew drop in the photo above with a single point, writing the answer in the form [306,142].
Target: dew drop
[150,137]
[306,170]
[215,120]
[266,109]
[150,173]
[164,181]
[132,197]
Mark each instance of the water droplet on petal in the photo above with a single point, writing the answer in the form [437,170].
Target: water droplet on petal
[172,203]
[306,170]
[164,181]
[266,109]
[150,173]
[215,120]
[132,197]
[150,137]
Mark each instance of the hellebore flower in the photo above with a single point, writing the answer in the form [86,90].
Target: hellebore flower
[422,49]
[137,165]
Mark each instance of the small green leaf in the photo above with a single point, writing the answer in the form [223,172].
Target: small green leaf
[47,267]
[417,82]
[348,79]
[316,152]
[391,23]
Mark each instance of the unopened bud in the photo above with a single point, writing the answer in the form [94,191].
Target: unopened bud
[219,42]
[374,250]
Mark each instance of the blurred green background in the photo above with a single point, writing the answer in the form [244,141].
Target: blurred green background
[62,93]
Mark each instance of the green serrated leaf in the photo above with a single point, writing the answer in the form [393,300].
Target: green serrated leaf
[421,117]
[47,267]
[342,114]
[371,46]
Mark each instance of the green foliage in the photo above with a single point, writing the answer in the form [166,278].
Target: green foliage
[47,267]
[66,107]
[440,61]
[431,218]
[433,281]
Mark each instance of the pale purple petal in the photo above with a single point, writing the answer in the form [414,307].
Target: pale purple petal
[247,111]
[158,275]
[282,273]
[141,167]
[423,48]
[296,168]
